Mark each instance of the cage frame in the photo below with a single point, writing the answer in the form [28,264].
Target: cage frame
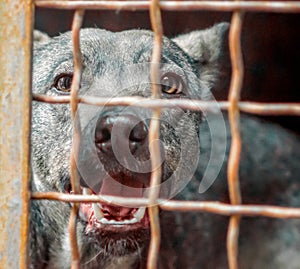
[18,148]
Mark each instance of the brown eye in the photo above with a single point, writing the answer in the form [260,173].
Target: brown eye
[172,83]
[63,83]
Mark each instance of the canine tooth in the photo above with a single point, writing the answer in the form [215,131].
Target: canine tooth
[139,214]
[104,221]
[82,215]
[86,191]
[133,220]
[98,213]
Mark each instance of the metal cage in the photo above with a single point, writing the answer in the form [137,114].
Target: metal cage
[15,97]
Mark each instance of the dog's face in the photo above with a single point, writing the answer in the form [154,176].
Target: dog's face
[114,158]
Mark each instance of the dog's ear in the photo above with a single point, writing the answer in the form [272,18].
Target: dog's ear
[40,38]
[206,48]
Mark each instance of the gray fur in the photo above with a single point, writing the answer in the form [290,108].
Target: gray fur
[269,170]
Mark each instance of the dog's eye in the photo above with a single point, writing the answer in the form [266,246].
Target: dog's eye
[63,83]
[172,83]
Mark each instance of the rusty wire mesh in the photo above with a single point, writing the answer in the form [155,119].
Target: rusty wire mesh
[235,209]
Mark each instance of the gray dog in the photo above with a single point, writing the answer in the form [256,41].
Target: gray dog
[114,158]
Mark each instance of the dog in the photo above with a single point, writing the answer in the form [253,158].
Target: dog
[114,158]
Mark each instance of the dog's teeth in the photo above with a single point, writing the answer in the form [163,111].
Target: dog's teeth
[139,214]
[98,213]
[115,222]
[134,220]
[104,221]
[130,221]
[86,191]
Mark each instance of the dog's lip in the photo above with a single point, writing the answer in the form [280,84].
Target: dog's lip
[95,222]
[97,217]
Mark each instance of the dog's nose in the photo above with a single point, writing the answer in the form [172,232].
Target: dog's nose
[123,130]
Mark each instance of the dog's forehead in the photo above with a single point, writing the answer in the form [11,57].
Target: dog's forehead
[124,47]
[132,46]
[104,51]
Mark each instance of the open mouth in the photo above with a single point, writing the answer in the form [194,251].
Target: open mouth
[112,218]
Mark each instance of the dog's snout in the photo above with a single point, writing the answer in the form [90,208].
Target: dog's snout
[124,130]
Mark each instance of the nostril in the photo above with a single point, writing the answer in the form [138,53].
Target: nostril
[117,131]
[103,139]
[102,136]
[138,133]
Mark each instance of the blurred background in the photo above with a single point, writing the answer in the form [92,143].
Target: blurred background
[270,41]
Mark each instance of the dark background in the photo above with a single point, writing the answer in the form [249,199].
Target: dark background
[270,41]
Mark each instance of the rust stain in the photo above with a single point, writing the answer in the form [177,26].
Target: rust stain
[15,37]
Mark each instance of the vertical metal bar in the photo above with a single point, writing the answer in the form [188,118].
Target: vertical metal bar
[154,131]
[77,22]
[16,20]
[234,117]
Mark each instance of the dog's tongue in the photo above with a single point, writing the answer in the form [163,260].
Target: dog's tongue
[115,188]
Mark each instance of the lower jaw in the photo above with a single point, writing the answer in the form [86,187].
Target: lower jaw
[117,229]
[106,251]
[116,241]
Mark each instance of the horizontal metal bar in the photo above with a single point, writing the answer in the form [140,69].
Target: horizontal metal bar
[224,6]
[172,205]
[284,109]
